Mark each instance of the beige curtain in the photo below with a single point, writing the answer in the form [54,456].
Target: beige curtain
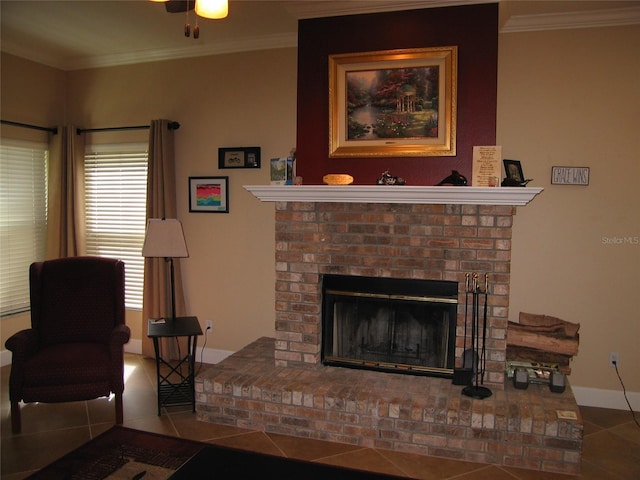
[65,217]
[161,203]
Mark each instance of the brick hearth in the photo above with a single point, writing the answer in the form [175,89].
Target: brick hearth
[421,415]
[279,385]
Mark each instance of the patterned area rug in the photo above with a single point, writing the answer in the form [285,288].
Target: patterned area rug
[123,453]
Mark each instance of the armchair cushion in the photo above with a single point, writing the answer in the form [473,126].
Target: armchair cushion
[56,373]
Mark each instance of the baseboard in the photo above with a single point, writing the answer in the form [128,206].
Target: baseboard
[133,346]
[206,355]
[588,397]
[597,397]
[212,355]
[5,358]
[203,355]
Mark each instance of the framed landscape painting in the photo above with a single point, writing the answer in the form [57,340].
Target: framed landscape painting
[393,103]
[209,194]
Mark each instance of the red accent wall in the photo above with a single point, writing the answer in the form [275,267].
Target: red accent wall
[474,29]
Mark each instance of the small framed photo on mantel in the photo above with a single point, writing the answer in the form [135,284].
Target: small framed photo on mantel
[239,157]
[513,170]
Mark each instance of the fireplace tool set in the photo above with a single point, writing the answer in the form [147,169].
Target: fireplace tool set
[474,352]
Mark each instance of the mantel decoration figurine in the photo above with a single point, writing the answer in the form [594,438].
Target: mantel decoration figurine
[337,179]
[387,179]
[456,179]
[510,182]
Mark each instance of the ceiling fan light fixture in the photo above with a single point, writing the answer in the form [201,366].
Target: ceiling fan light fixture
[214,9]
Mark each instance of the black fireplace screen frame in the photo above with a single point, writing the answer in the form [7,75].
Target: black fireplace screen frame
[403,300]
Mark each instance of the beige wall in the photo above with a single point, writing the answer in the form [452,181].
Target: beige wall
[245,99]
[564,98]
[221,101]
[572,98]
[33,94]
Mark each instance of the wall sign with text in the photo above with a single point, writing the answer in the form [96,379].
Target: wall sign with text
[570,175]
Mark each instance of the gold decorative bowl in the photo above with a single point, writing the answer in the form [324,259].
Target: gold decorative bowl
[337,179]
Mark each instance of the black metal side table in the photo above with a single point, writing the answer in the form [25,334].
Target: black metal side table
[175,387]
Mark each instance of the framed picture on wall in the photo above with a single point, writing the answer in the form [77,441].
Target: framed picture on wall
[393,103]
[239,157]
[209,194]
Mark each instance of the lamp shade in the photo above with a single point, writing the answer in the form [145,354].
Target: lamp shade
[164,238]
[215,9]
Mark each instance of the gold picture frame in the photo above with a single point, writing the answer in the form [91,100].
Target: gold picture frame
[393,103]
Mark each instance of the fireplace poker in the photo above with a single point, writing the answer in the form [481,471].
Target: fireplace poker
[466,306]
[470,356]
[483,360]
[464,375]
[474,321]
[466,320]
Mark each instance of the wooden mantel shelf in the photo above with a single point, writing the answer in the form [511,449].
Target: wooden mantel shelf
[395,194]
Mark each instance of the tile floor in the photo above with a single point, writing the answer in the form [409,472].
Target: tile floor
[611,443]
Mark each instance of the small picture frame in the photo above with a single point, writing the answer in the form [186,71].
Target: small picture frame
[209,194]
[282,171]
[513,170]
[239,157]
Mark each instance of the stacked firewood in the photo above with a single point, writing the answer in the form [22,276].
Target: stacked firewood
[543,339]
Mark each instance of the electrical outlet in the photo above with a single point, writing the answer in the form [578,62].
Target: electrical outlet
[209,325]
[614,359]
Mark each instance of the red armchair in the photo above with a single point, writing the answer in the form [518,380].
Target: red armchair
[74,349]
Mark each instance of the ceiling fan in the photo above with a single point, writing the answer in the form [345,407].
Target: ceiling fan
[215,9]
[179,6]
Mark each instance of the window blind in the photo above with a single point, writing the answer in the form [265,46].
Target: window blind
[115,198]
[23,219]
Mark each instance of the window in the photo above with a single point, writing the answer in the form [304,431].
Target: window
[23,219]
[115,197]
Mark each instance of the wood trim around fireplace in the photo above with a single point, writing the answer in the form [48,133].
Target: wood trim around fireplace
[516,196]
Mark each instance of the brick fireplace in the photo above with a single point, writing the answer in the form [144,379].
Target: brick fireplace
[419,241]
[279,385]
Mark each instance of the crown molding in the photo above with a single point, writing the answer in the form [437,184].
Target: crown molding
[516,23]
[306,10]
[255,43]
[613,17]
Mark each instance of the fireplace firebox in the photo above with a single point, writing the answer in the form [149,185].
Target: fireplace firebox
[389,324]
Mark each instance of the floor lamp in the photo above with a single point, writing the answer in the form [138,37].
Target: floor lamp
[164,238]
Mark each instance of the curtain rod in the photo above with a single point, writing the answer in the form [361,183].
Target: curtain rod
[53,130]
[171,125]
